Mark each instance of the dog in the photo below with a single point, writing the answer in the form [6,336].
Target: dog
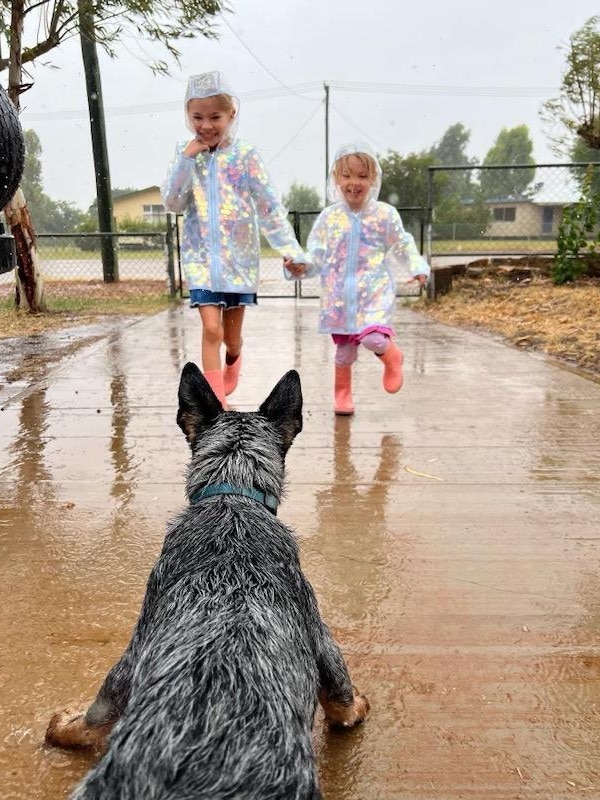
[216,693]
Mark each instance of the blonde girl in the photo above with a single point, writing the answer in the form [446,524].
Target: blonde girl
[221,186]
[351,247]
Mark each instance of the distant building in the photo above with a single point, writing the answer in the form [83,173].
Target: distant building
[145,205]
[536,214]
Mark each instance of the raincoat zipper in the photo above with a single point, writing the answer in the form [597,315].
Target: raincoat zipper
[213,216]
[351,300]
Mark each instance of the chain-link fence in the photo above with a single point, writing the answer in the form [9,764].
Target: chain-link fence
[500,210]
[68,258]
[153,258]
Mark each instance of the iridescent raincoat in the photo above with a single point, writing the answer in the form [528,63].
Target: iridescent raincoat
[353,252]
[226,197]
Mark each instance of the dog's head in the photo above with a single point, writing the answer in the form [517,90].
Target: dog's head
[199,407]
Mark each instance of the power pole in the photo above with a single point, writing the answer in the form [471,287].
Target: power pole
[110,266]
[326,86]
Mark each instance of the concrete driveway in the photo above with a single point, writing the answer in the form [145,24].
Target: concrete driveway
[451,533]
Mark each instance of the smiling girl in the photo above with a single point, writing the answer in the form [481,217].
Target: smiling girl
[351,246]
[222,187]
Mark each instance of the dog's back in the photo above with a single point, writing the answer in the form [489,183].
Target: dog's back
[215,695]
[222,699]
[223,695]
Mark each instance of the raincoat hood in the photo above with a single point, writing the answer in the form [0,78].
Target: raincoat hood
[333,193]
[209,84]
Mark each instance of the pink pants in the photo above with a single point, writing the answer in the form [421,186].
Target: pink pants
[375,338]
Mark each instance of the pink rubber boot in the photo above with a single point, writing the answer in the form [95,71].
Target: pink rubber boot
[392,371]
[215,381]
[231,374]
[343,391]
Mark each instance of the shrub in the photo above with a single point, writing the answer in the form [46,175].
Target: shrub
[578,233]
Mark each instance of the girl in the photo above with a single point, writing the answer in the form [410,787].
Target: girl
[223,189]
[351,246]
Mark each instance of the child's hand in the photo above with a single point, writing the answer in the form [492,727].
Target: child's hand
[297,270]
[194,147]
[422,279]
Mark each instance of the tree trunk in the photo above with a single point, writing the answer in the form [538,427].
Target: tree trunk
[29,291]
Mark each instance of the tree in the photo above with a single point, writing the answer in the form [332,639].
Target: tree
[50,216]
[165,22]
[451,151]
[578,234]
[404,186]
[576,111]
[302,198]
[404,181]
[513,146]
[582,154]
[31,180]
[64,217]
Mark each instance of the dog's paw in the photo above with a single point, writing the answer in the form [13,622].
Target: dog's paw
[343,716]
[69,729]
[362,706]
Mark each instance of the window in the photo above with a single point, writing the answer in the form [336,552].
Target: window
[547,219]
[508,214]
[154,213]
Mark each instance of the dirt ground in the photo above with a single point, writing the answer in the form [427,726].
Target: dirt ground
[562,321]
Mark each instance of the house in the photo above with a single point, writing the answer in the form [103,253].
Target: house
[535,214]
[145,205]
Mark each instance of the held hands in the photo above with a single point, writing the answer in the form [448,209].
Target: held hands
[194,147]
[422,280]
[297,270]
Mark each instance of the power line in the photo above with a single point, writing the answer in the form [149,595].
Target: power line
[295,136]
[258,61]
[366,136]
[170,105]
[441,89]
[299,89]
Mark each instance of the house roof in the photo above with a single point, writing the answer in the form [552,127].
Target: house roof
[563,194]
[137,191]
[541,193]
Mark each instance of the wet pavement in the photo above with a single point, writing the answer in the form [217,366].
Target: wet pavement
[451,533]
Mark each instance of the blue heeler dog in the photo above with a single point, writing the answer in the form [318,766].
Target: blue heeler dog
[216,693]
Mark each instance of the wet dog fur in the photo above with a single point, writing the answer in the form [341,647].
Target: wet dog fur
[216,693]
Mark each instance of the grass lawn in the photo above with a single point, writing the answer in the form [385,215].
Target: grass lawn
[485,246]
[69,252]
[82,302]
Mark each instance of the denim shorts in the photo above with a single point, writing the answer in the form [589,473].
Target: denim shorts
[204,297]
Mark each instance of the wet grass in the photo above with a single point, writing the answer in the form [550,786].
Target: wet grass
[562,321]
[81,303]
[69,252]
[483,246]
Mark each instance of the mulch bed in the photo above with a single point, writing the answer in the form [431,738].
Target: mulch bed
[524,307]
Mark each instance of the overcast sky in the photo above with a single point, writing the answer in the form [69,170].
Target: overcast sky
[400,72]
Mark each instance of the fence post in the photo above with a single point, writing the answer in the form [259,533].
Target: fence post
[170,256]
[429,220]
[296,226]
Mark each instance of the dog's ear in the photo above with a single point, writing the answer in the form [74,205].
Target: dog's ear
[283,407]
[198,404]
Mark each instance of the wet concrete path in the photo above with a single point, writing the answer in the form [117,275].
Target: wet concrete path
[451,533]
